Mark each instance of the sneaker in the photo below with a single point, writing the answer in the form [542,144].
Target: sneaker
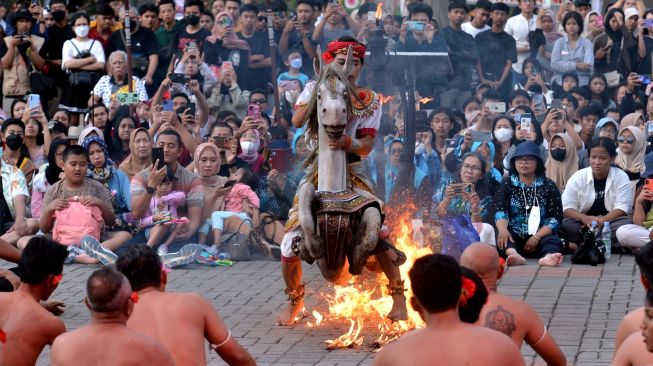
[93,248]
[187,254]
[72,253]
[163,250]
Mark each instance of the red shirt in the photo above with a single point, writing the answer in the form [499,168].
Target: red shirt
[94,34]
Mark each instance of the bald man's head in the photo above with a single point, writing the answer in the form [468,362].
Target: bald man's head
[481,258]
[107,290]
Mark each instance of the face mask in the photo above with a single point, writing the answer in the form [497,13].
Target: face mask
[296,63]
[14,142]
[419,148]
[248,147]
[81,31]
[58,15]
[503,134]
[558,154]
[193,20]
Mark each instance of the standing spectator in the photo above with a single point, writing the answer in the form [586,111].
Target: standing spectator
[81,56]
[519,26]
[259,62]
[335,23]
[497,51]
[463,56]
[227,95]
[165,36]
[104,15]
[207,20]
[480,17]
[645,44]
[145,57]
[148,17]
[232,7]
[583,7]
[594,26]
[20,55]
[542,40]
[52,50]
[192,34]
[297,35]
[572,52]
[616,49]
[223,45]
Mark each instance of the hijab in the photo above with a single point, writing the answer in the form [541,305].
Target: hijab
[630,120]
[633,162]
[250,158]
[586,25]
[560,171]
[132,165]
[198,154]
[552,36]
[87,131]
[298,133]
[615,36]
[105,172]
[231,40]
[52,171]
[490,162]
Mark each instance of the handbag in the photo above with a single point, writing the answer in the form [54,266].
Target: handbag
[237,245]
[42,84]
[590,251]
[457,234]
[82,77]
[613,78]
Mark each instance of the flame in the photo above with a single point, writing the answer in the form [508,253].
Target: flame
[366,301]
[379,11]
[385,99]
[425,100]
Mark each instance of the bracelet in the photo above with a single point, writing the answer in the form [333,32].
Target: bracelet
[348,142]
[216,346]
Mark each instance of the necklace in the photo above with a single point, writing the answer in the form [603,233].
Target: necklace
[528,204]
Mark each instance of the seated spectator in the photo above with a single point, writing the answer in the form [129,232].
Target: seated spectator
[37,135]
[207,20]
[109,85]
[74,188]
[49,174]
[638,234]
[503,133]
[589,117]
[15,152]
[140,153]
[117,139]
[526,325]
[250,145]
[436,281]
[18,107]
[27,326]
[185,320]
[227,95]
[111,303]
[556,121]
[595,195]
[528,210]
[630,155]
[572,52]
[474,206]
[563,160]
[633,119]
[393,169]
[637,349]
[533,79]
[158,221]
[598,85]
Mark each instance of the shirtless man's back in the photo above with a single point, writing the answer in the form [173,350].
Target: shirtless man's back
[108,344]
[27,325]
[633,352]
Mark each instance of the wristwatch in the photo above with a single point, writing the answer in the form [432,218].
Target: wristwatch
[150,190]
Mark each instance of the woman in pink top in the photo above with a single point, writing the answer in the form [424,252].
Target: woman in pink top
[241,201]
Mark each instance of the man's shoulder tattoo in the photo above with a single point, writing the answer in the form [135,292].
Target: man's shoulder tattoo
[501,320]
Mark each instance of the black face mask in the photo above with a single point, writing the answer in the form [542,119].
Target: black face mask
[558,154]
[58,15]
[193,19]
[14,142]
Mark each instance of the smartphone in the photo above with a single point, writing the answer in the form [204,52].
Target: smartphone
[649,128]
[371,15]
[254,111]
[33,101]
[220,142]
[178,78]
[481,136]
[416,26]
[649,184]
[168,105]
[281,159]
[599,20]
[228,64]
[644,79]
[289,85]
[648,23]
[525,122]
[556,104]
[497,107]
[450,143]
[192,108]
[157,154]
[535,69]
[191,45]
[225,21]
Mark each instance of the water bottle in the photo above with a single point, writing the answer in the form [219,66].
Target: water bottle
[593,229]
[224,256]
[606,238]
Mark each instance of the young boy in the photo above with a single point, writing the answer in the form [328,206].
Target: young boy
[294,63]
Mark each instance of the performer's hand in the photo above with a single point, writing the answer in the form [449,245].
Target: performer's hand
[338,144]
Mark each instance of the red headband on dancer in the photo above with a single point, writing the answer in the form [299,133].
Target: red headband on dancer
[335,47]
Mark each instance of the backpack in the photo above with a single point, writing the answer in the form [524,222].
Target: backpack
[590,250]
[75,221]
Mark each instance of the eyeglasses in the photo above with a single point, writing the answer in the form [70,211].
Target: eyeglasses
[626,140]
[472,168]
[262,19]
[525,160]
[257,101]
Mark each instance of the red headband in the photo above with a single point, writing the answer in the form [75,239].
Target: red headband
[3,337]
[335,47]
[469,288]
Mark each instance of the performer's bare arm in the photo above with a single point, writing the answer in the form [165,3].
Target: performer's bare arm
[360,147]
[299,117]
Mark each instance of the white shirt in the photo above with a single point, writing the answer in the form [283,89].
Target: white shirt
[519,27]
[579,193]
[473,31]
[69,51]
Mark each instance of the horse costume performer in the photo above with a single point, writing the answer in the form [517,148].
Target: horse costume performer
[337,225]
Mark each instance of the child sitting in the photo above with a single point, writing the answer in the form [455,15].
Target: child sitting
[162,210]
[241,201]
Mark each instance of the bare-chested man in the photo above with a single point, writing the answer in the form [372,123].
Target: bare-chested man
[180,321]
[637,349]
[436,281]
[632,322]
[513,317]
[107,340]
[27,326]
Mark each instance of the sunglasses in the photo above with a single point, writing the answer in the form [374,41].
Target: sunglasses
[626,140]
[262,19]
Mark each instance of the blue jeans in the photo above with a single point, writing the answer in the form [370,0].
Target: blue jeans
[217,220]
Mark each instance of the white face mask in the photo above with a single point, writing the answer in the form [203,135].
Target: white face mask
[419,148]
[82,31]
[503,134]
[248,147]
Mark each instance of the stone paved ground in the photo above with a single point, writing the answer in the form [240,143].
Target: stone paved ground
[582,306]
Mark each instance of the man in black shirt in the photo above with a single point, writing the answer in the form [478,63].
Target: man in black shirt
[52,49]
[463,56]
[497,51]
[259,62]
[193,33]
[297,35]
